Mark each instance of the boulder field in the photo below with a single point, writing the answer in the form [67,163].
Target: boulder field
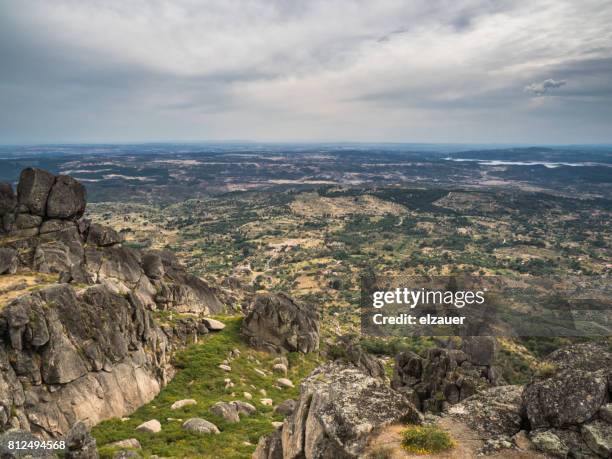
[345,408]
[562,412]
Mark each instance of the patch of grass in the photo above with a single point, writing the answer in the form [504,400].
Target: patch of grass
[426,440]
[516,366]
[546,369]
[200,378]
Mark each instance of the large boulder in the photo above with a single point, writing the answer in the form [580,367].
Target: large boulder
[200,426]
[574,390]
[243,408]
[127,443]
[33,190]
[550,443]
[52,257]
[67,199]
[55,225]
[183,403]
[278,323]
[8,200]
[564,405]
[102,236]
[339,407]
[150,426]
[565,399]
[562,443]
[213,324]
[118,264]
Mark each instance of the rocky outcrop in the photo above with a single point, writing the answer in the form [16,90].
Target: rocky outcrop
[41,196]
[338,409]
[446,376]
[89,355]
[565,407]
[44,229]
[92,352]
[68,356]
[277,323]
[178,290]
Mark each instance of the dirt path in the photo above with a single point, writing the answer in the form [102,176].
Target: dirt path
[468,443]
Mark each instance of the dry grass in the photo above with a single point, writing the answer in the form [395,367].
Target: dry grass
[15,285]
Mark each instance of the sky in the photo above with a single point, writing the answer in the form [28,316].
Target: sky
[474,71]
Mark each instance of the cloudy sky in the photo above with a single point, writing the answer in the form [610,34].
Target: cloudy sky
[535,71]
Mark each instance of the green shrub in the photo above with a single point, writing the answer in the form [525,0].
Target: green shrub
[426,440]
[546,369]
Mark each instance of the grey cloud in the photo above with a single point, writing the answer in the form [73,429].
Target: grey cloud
[304,69]
[541,89]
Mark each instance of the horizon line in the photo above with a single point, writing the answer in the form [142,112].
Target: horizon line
[303,142]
